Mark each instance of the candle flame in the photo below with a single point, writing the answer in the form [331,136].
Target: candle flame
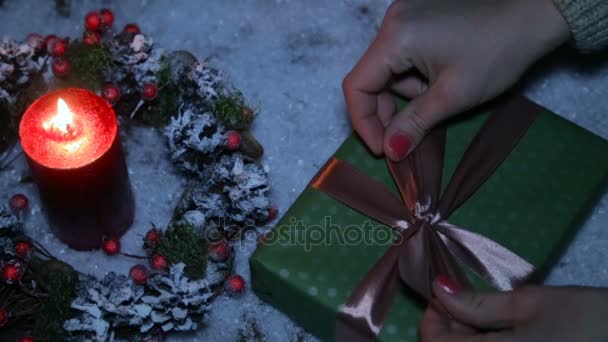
[62,121]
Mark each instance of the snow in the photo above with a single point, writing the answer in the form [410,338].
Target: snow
[288,57]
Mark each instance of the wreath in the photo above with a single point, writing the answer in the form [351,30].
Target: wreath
[184,265]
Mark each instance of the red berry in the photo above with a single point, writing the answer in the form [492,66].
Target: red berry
[139,274]
[111,93]
[19,202]
[233,140]
[153,235]
[219,252]
[3,317]
[11,273]
[26,339]
[49,41]
[131,28]
[149,91]
[107,17]
[36,41]
[92,21]
[111,246]
[58,47]
[235,284]
[152,238]
[273,212]
[61,67]
[23,248]
[159,262]
[91,38]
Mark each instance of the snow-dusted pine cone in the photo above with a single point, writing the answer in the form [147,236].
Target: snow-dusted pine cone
[195,141]
[18,63]
[134,62]
[169,302]
[233,197]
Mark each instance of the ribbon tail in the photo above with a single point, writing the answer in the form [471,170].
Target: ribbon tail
[347,184]
[490,260]
[444,262]
[361,318]
[491,146]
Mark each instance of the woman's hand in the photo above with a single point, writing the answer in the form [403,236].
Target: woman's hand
[528,314]
[447,56]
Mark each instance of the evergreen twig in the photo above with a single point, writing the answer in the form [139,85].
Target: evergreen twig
[133,255]
[89,62]
[231,111]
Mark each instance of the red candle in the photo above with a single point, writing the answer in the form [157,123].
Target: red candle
[71,140]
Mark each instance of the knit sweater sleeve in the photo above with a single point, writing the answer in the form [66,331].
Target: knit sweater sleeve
[588,22]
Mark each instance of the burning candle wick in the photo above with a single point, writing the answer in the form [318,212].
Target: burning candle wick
[62,123]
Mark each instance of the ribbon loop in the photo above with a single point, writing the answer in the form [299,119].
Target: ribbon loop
[490,260]
[418,178]
[352,187]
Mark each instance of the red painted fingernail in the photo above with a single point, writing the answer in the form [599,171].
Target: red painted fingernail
[400,144]
[447,284]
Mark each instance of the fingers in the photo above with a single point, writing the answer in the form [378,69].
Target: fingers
[386,108]
[409,87]
[410,125]
[436,323]
[481,310]
[435,327]
[362,87]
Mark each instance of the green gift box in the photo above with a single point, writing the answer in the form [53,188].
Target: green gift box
[532,204]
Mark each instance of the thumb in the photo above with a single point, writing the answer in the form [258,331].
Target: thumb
[410,125]
[479,310]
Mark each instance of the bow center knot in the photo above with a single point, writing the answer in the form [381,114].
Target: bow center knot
[423,212]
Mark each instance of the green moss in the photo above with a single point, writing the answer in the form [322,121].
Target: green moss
[88,63]
[168,104]
[40,311]
[181,244]
[164,107]
[232,112]
[59,280]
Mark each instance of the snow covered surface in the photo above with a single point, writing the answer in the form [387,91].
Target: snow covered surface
[288,57]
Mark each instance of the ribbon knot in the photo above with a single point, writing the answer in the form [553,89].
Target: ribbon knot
[422,211]
[427,245]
